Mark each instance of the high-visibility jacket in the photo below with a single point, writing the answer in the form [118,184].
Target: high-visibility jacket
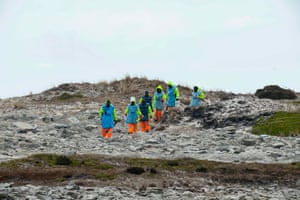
[158,100]
[108,115]
[197,98]
[172,95]
[132,112]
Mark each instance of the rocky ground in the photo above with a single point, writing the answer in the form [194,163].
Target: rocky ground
[222,132]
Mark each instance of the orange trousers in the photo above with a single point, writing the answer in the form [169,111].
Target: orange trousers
[132,128]
[145,126]
[106,133]
[158,115]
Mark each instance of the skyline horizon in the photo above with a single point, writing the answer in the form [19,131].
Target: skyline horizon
[54,85]
[237,46]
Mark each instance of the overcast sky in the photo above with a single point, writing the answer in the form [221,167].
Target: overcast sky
[232,45]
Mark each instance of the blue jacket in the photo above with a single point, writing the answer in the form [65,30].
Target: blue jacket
[148,100]
[159,99]
[145,110]
[133,113]
[172,95]
[108,116]
[197,98]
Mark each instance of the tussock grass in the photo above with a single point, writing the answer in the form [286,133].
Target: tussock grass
[280,124]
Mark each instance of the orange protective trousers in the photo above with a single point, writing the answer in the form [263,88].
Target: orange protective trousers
[158,115]
[145,126]
[132,128]
[106,133]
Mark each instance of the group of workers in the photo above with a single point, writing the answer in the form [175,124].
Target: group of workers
[142,112]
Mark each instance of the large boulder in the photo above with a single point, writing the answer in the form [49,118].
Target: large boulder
[275,92]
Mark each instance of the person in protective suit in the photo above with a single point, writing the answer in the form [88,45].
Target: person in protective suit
[132,113]
[108,117]
[172,95]
[148,99]
[172,98]
[159,99]
[197,97]
[146,116]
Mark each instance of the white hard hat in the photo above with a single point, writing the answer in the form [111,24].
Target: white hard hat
[132,99]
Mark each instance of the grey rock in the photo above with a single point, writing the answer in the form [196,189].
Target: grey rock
[25,127]
[5,185]
[91,127]
[153,141]
[278,145]
[72,186]
[237,150]
[60,126]
[66,133]
[223,148]
[91,197]
[248,141]
[48,119]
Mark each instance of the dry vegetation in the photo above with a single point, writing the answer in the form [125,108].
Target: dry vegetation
[51,169]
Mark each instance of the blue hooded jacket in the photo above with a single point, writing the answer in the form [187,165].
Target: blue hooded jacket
[108,115]
[197,98]
[132,112]
[158,103]
[173,94]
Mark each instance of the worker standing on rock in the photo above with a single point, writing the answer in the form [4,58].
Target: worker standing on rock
[132,113]
[148,99]
[159,98]
[197,97]
[146,115]
[172,97]
[108,118]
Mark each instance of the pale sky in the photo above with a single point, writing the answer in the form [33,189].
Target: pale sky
[232,45]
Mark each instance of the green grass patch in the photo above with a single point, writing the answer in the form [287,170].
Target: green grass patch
[12,164]
[96,164]
[280,124]
[297,103]
[186,164]
[295,165]
[54,159]
[105,176]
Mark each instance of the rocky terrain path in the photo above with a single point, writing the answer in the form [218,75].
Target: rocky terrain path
[73,129]
[223,134]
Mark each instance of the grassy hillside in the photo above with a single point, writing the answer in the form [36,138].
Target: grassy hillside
[280,124]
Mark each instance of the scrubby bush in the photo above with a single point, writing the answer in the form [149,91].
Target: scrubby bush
[135,170]
[275,92]
[63,160]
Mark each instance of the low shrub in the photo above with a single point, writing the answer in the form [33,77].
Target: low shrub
[135,170]
[275,92]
